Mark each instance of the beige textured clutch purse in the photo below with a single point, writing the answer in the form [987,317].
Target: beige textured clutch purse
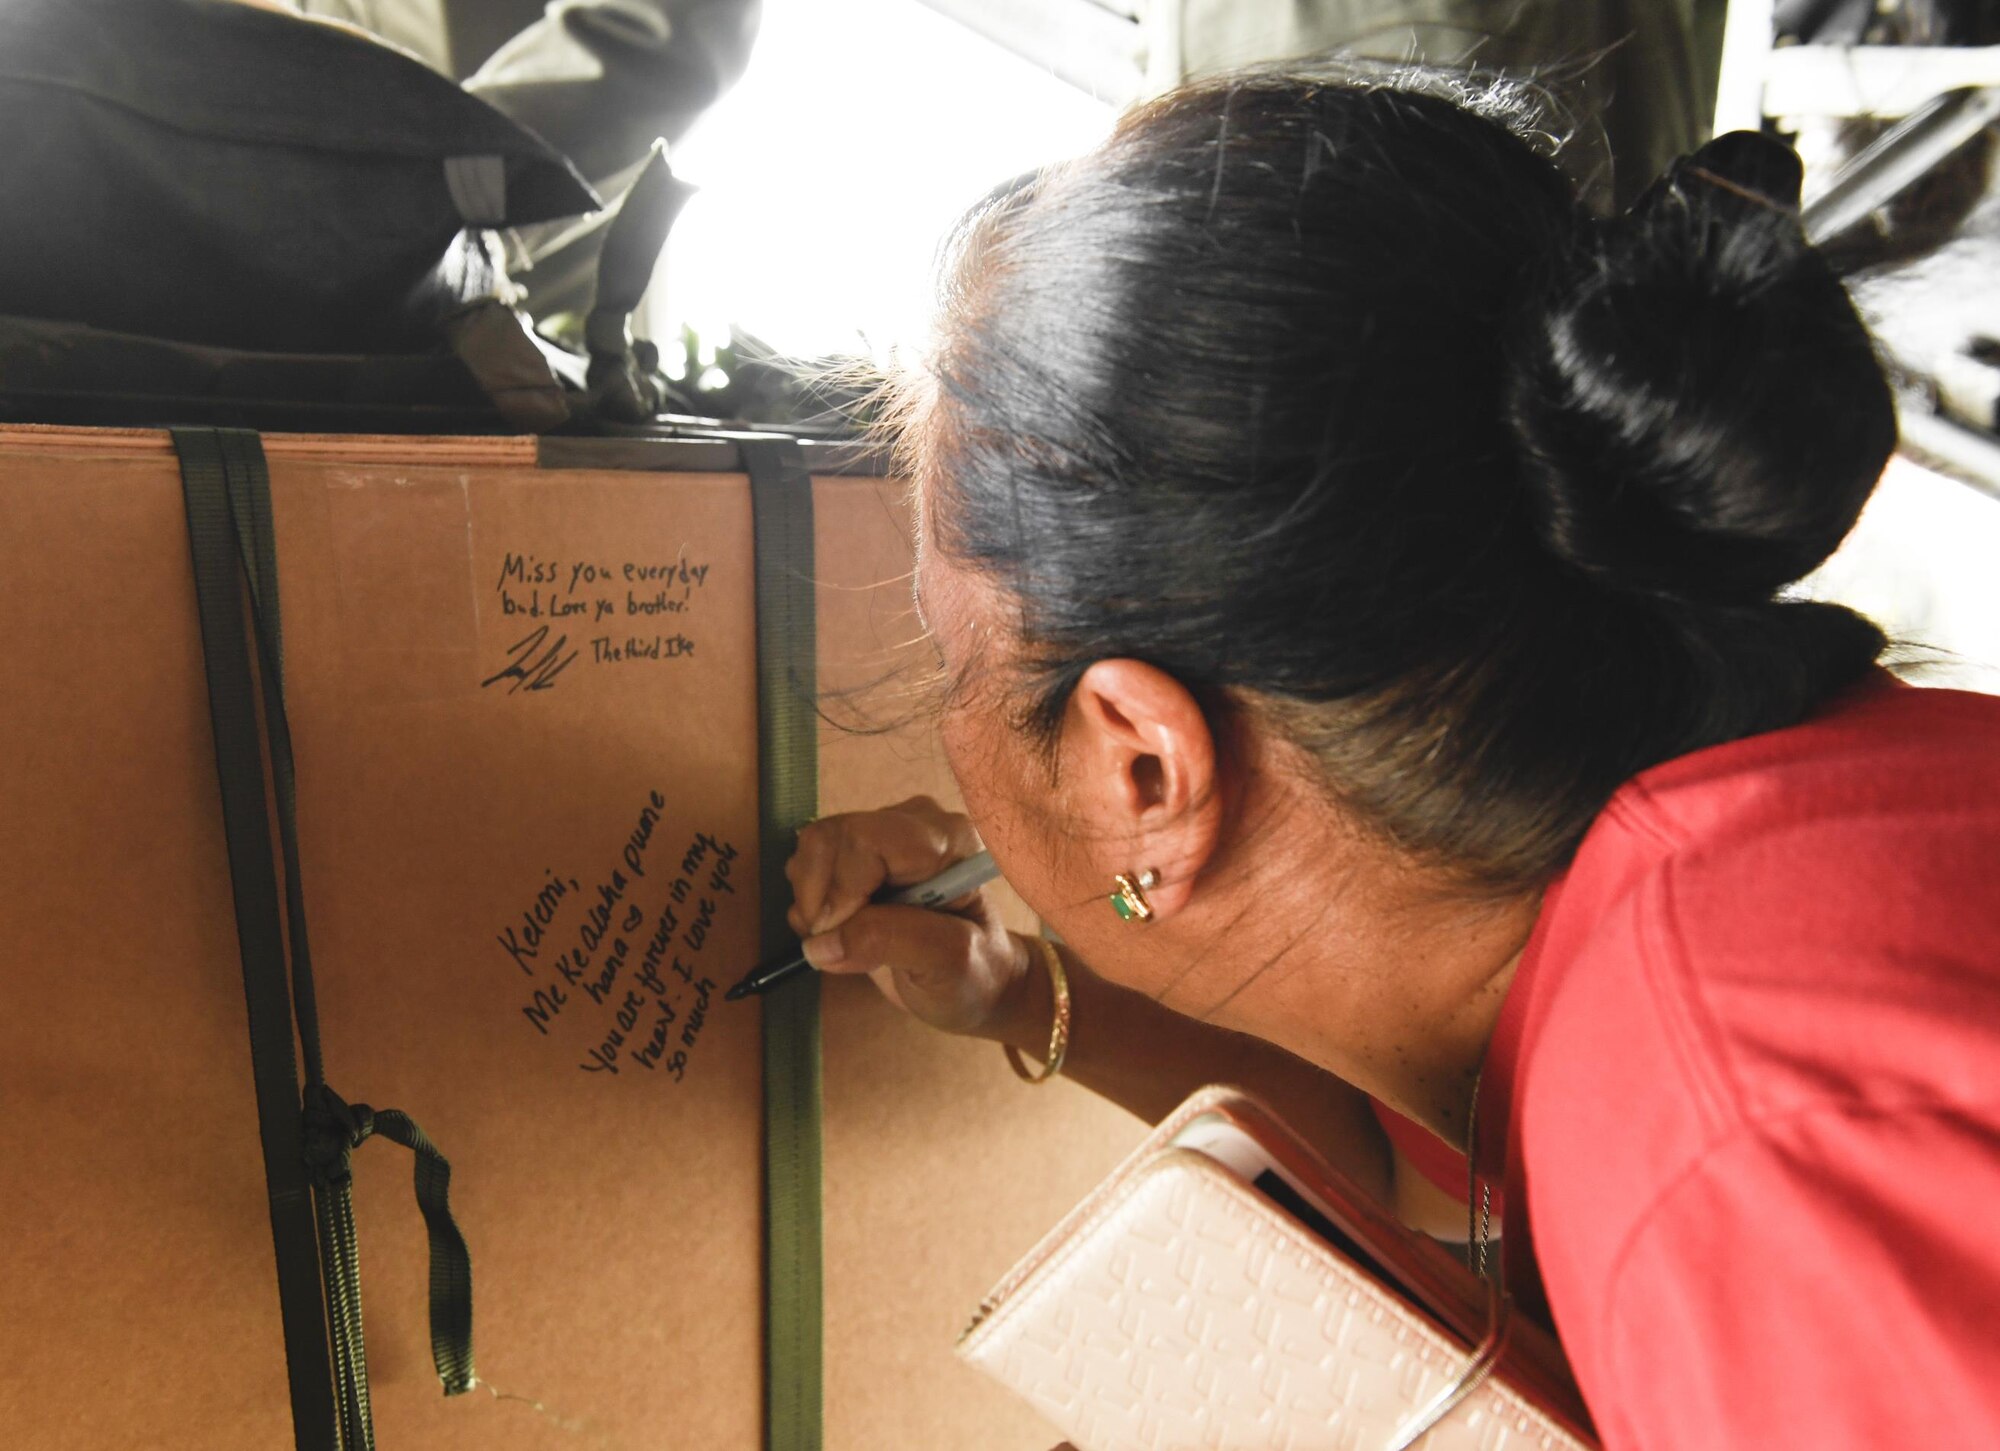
[1191,1304]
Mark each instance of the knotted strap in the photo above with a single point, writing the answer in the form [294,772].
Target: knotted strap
[334,1129]
[308,1142]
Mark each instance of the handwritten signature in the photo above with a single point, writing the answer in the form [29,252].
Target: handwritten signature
[531,666]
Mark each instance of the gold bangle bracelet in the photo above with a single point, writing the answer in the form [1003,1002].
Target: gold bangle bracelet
[1058,1031]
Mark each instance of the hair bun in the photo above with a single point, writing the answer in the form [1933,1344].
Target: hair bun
[1701,412]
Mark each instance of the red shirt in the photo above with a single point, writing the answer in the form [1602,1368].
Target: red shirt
[1750,1072]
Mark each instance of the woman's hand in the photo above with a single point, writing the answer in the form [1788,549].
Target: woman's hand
[953,968]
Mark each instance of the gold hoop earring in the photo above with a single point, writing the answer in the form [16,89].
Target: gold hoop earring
[1128,896]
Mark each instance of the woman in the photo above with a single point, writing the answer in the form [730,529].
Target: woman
[1379,565]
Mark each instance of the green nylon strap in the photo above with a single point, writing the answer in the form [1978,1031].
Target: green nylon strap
[788,797]
[307,1138]
[214,539]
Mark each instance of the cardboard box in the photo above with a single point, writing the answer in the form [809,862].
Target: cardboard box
[468,793]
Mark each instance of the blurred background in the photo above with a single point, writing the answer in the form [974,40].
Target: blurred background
[664,216]
[873,123]
[880,120]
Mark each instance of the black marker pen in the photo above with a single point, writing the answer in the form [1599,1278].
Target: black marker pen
[961,879]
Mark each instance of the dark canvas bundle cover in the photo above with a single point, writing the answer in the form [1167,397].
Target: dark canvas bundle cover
[216,173]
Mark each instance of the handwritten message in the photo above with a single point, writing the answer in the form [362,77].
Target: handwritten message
[617,967]
[595,612]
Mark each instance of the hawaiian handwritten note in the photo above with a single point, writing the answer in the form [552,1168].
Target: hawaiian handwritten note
[593,613]
[617,962]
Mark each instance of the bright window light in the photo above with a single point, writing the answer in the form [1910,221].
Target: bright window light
[1920,564]
[831,172]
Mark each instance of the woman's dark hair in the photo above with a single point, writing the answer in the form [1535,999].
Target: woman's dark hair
[1325,395]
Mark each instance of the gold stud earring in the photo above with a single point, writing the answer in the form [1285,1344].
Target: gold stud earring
[1128,896]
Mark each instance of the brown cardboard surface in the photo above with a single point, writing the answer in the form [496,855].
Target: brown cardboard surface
[942,1168]
[612,1214]
[462,778]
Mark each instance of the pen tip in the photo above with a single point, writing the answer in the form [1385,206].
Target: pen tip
[737,993]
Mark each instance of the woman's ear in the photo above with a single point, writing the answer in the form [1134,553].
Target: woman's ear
[1139,766]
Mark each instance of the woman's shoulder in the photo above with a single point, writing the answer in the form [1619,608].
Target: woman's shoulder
[1780,952]
[1865,834]
[1850,852]
[1880,749]
[1813,906]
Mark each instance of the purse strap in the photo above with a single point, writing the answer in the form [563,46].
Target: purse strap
[307,1138]
[1478,1197]
[1480,1365]
[1485,1356]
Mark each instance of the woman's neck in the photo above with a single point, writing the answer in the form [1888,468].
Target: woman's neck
[1333,945]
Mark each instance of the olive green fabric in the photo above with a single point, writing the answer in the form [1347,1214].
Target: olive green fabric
[1636,77]
[598,80]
